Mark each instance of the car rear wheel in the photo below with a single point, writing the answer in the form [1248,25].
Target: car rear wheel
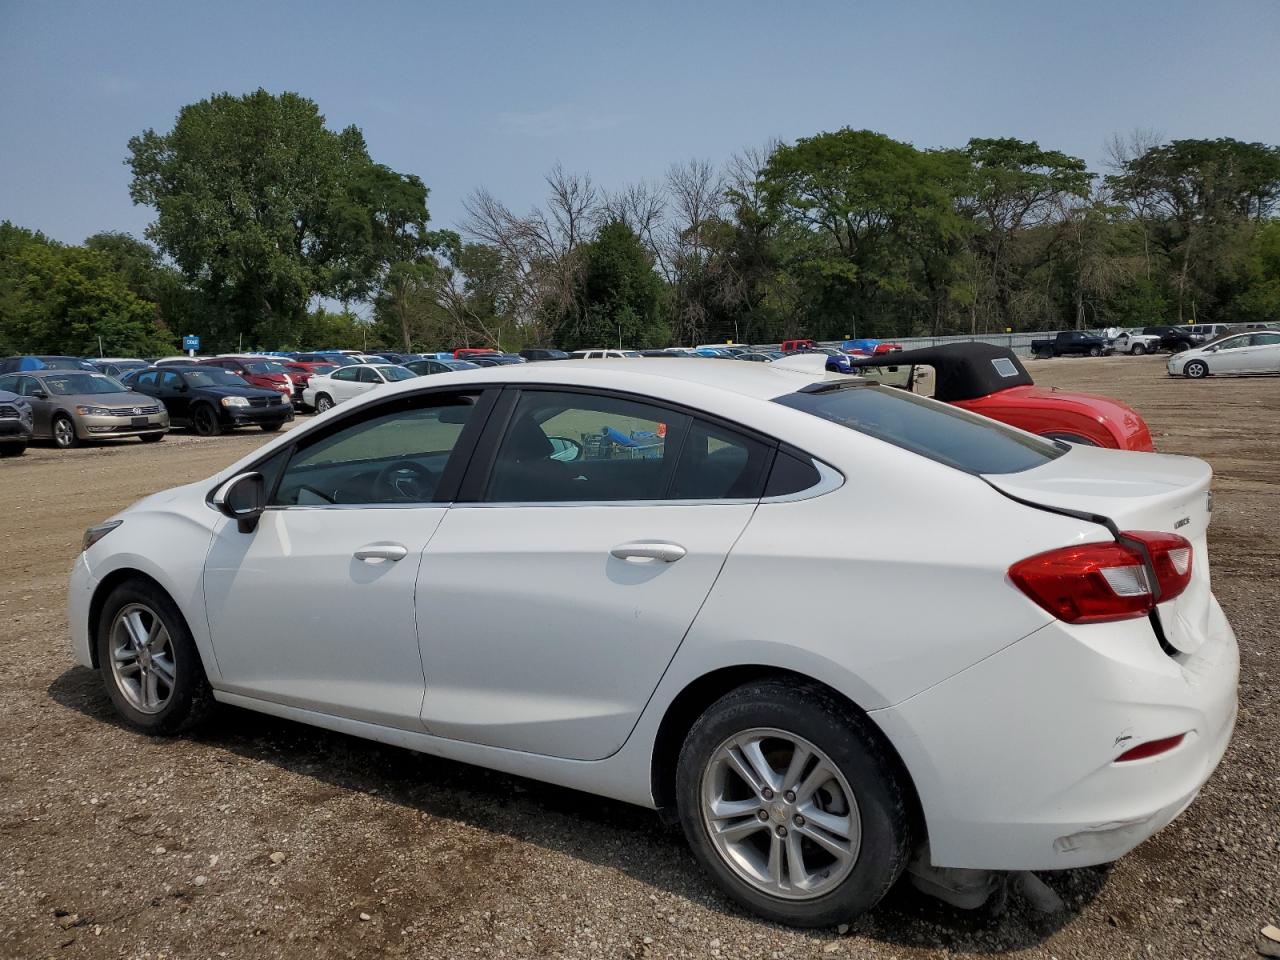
[791,801]
[1196,369]
[149,661]
[205,421]
[64,432]
[323,402]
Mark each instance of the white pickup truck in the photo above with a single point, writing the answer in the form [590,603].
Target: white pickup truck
[1135,342]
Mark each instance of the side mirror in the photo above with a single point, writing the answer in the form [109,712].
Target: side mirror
[243,498]
[40,395]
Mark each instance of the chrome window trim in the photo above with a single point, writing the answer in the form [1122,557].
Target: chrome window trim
[426,505]
[829,480]
[506,504]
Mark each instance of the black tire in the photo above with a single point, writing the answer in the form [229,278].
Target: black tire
[151,437]
[1196,369]
[1095,351]
[204,421]
[854,745]
[191,698]
[13,449]
[271,427]
[1044,354]
[1139,349]
[63,429]
[324,402]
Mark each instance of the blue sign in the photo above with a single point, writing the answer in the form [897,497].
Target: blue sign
[190,343]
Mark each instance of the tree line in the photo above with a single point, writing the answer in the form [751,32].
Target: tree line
[269,226]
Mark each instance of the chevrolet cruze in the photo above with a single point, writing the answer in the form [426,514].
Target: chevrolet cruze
[557,571]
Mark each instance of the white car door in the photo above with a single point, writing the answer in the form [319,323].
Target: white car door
[1263,353]
[315,608]
[549,606]
[1228,356]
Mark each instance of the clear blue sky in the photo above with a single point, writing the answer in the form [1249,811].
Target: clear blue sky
[493,94]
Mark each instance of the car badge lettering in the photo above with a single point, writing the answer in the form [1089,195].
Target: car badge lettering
[1182,523]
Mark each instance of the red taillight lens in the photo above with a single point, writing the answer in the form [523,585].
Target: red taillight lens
[1097,582]
[1151,748]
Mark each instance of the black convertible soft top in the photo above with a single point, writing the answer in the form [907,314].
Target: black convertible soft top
[964,371]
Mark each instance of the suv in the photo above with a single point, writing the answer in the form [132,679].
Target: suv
[15,424]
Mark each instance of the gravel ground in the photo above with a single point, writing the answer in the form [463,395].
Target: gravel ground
[264,838]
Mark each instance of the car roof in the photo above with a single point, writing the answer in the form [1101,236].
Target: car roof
[762,381]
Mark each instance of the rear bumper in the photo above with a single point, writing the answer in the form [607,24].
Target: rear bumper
[1015,758]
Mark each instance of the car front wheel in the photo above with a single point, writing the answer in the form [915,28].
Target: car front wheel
[1139,349]
[205,421]
[791,801]
[13,449]
[149,661]
[1095,351]
[1196,369]
[64,433]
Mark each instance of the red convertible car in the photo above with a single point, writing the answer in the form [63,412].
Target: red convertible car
[992,381]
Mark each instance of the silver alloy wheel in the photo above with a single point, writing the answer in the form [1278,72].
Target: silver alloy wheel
[323,404]
[780,813]
[142,658]
[64,432]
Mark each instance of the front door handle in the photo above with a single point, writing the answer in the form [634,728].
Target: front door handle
[649,550]
[378,552]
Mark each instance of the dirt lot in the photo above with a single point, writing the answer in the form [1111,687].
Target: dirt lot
[263,838]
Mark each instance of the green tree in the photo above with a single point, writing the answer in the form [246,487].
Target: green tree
[619,297]
[868,207]
[1014,186]
[67,299]
[1195,196]
[264,209]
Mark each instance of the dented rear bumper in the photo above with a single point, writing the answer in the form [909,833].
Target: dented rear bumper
[1015,757]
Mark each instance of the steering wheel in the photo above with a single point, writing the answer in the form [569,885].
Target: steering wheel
[408,481]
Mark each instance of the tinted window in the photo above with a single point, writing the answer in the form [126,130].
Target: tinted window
[212,377]
[366,375]
[573,447]
[147,379]
[1264,339]
[345,373]
[790,474]
[397,456]
[170,381]
[937,431]
[718,463]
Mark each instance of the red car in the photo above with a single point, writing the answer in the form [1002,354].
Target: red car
[301,372]
[992,381]
[463,352]
[795,346]
[257,372]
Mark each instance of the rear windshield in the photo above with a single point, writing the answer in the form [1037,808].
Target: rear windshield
[943,433]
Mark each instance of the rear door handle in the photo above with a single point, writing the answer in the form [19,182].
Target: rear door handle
[378,552]
[649,550]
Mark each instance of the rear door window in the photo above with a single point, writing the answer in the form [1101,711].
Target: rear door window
[940,432]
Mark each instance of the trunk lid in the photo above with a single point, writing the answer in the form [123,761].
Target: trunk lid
[1136,491]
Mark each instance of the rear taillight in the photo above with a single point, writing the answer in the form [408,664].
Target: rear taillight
[1097,582]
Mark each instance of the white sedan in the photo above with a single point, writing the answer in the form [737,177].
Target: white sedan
[328,390]
[1243,354]
[587,573]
